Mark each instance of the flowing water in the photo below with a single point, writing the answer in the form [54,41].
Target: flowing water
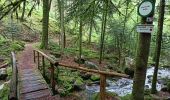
[123,86]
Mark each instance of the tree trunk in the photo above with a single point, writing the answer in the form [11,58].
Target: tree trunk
[80,39]
[44,41]
[91,23]
[23,10]
[62,25]
[158,44]
[141,62]
[103,31]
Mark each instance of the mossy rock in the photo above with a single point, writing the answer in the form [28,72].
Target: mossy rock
[95,78]
[96,96]
[4,92]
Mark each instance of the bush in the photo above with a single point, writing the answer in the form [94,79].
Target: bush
[4,92]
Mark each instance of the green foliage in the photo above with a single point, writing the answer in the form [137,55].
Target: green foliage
[127,97]
[95,78]
[8,46]
[66,79]
[4,92]
[96,96]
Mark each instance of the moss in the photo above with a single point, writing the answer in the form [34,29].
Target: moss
[127,97]
[4,92]
[95,78]
[96,96]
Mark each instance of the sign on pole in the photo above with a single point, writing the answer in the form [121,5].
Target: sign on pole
[145,28]
[146,8]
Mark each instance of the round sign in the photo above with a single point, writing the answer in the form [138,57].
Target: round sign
[145,8]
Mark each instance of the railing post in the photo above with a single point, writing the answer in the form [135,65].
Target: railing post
[43,65]
[102,87]
[38,59]
[52,78]
[34,56]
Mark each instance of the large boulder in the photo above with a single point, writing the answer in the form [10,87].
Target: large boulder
[90,65]
[129,71]
[129,62]
[164,89]
[95,78]
[3,73]
[85,75]
[79,60]
[78,85]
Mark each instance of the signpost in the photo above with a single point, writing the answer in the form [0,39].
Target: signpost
[146,11]
[146,8]
[145,28]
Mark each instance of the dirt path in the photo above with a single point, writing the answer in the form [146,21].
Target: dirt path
[25,58]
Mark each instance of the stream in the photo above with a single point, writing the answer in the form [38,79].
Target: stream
[123,86]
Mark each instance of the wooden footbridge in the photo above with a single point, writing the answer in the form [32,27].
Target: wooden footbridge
[28,83]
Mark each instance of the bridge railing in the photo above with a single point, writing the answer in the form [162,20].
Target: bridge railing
[103,74]
[14,80]
[41,57]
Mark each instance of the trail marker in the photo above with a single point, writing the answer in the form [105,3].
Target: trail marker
[146,8]
[145,28]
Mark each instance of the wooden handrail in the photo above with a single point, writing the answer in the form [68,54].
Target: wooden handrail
[95,71]
[46,57]
[14,79]
[103,74]
[52,64]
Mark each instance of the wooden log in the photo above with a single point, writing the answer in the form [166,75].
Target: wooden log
[4,65]
[47,57]
[34,56]
[38,60]
[102,87]
[14,82]
[52,78]
[95,71]
[43,65]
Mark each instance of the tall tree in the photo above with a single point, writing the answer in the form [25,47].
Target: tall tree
[141,62]
[91,21]
[62,26]
[103,28]
[45,21]
[158,44]
[23,10]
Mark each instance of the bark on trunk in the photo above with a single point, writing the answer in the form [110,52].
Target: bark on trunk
[158,44]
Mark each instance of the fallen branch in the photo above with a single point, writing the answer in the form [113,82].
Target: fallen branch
[4,65]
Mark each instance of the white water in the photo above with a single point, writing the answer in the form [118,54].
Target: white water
[123,86]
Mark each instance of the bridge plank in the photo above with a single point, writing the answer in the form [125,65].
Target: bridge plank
[35,95]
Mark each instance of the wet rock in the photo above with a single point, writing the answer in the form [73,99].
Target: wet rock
[109,66]
[149,81]
[78,85]
[161,81]
[85,76]
[164,89]
[79,61]
[90,65]
[149,76]
[129,72]
[147,86]
[3,73]
[57,55]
